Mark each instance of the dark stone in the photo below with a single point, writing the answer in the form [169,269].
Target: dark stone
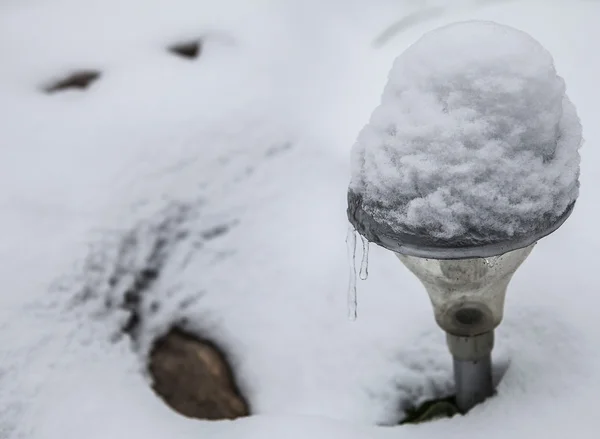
[79,80]
[431,410]
[193,377]
[187,49]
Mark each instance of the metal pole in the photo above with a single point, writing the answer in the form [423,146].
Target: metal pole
[472,368]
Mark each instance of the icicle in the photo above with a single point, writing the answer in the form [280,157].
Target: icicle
[364,263]
[351,245]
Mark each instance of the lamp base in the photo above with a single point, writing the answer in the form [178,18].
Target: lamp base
[472,368]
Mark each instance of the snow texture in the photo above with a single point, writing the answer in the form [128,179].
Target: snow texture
[227,176]
[474,140]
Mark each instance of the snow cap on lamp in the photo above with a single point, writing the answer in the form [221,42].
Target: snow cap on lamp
[473,150]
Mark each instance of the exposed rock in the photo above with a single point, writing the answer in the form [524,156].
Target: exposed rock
[187,49]
[79,80]
[194,378]
[432,410]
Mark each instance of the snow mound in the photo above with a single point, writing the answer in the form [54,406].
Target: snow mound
[474,140]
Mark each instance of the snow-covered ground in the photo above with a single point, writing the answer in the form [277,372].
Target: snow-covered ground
[254,138]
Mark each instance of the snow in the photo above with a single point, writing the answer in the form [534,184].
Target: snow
[254,136]
[474,139]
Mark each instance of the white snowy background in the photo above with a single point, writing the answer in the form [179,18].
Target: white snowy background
[244,155]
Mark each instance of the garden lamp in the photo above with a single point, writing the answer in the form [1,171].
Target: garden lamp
[469,160]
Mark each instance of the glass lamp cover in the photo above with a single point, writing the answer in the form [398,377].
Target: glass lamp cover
[467,294]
